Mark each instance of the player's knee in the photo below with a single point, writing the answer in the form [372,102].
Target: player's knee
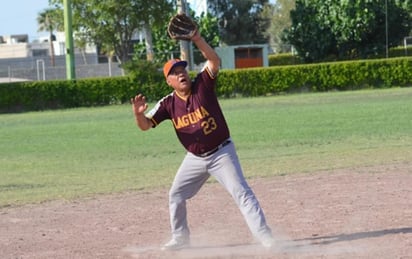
[176,196]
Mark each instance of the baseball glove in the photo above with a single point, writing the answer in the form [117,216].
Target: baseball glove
[181,27]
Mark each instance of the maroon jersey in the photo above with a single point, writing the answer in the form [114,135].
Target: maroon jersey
[198,121]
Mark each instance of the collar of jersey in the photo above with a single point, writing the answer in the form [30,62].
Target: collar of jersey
[181,97]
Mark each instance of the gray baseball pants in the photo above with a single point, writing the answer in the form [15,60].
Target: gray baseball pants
[225,167]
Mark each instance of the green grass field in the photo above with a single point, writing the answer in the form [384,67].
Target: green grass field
[75,153]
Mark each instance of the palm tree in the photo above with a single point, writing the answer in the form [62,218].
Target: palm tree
[50,20]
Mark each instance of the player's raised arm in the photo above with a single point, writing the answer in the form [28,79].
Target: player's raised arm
[213,60]
[182,27]
[139,106]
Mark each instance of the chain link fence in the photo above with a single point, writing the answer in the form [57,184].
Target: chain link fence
[41,68]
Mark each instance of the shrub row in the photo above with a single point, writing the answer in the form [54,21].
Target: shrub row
[40,95]
[284,59]
[317,77]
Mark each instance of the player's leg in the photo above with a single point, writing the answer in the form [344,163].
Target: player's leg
[226,168]
[189,178]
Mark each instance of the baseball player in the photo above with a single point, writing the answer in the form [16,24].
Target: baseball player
[201,128]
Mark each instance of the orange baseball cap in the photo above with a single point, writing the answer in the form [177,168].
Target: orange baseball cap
[171,64]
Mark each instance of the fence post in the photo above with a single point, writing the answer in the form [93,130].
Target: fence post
[38,62]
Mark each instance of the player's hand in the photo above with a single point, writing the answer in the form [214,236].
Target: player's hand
[139,104]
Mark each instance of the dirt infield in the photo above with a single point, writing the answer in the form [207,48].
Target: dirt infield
[357,213]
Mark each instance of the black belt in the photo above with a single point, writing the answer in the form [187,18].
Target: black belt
[208,153]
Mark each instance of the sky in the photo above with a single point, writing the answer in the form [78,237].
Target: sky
[20,17]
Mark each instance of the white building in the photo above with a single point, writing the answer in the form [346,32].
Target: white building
[23,60]
[18,46]
[15,46]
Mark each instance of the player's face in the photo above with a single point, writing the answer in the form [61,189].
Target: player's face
[179,79]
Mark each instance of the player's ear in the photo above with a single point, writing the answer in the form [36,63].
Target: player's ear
[168,81]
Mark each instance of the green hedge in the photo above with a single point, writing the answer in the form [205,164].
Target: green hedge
[284,59]
[41,95]
[350,75]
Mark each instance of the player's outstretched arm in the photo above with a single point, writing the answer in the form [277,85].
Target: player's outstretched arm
[139,106]
[213,60]
[182,27]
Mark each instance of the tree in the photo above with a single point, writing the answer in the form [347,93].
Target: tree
[81,41]
[165,48]
[351,28]
[208,26]
[113,24]
[50,20]
[280,21]
[240,21]
[308,35]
